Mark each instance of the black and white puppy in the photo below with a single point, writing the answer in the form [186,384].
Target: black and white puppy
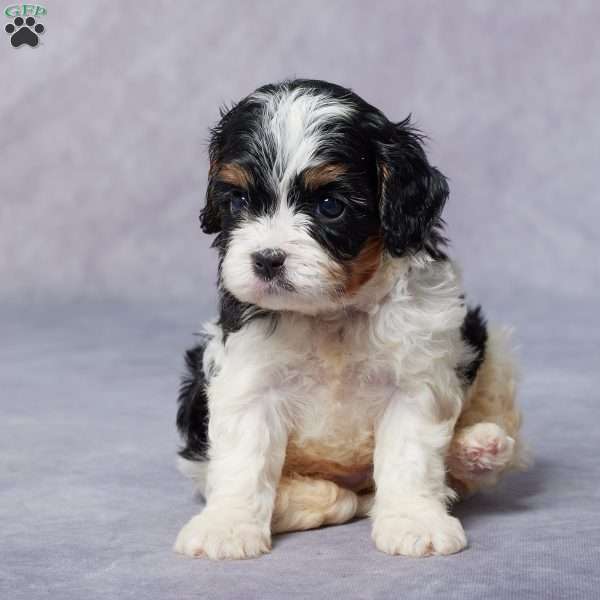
[345,375]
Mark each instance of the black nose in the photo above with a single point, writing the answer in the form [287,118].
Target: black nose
[268,263]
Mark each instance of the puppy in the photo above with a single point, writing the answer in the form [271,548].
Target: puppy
[345,375]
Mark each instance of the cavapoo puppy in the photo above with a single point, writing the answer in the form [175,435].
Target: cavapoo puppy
[345,375]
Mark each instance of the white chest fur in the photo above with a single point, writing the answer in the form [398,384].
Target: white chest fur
[332,376]
[340,386]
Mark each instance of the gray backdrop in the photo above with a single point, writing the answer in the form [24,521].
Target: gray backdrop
[104,275]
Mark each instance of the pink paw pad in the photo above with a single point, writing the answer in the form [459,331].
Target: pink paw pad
[481,449]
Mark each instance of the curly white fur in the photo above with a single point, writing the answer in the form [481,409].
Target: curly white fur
[314,388]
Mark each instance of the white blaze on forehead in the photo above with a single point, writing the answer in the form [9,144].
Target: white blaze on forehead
[293,122]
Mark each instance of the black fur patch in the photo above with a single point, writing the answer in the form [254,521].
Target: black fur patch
[233,314]
[413,193]
[192,415]
[474,332]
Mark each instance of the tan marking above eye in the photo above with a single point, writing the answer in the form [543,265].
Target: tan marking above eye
[315,177]
[236,175]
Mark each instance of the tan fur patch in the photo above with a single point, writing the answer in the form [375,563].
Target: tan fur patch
[309,460]
[235,174]
[364,266]
[306,503]
[316,177]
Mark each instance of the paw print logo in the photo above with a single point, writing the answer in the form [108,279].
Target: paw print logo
[24,32]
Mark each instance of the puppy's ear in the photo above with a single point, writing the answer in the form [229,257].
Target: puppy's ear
[210,215]
[412,193]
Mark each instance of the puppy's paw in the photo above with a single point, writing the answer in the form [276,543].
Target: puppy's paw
[217,536]
[419,534]
[480,451]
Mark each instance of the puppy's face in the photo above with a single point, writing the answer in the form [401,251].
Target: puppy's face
[309,186]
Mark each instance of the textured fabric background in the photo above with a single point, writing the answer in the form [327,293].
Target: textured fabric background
[104,276]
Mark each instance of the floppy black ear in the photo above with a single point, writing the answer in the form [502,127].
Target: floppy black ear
[412,192]
[210,215]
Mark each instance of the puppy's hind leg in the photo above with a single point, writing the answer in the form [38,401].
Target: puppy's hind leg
[478,456]
[308,503]
[487,441]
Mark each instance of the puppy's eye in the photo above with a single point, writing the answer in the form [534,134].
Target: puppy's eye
[330,208]
[238,200]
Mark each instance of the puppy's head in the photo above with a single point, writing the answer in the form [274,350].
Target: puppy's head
[309,187]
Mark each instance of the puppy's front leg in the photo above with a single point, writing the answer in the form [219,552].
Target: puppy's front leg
[247,449]
[410,514]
